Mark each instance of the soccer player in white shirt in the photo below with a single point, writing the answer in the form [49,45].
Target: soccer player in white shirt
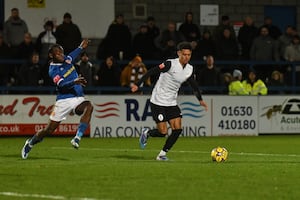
[163,101]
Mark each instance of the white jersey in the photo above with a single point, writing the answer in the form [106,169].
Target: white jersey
[166,88]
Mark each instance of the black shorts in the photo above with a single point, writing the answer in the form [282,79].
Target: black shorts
[164,113]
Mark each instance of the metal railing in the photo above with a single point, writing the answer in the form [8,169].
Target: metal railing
[292,88]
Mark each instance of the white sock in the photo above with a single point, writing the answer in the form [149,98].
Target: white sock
[162,153]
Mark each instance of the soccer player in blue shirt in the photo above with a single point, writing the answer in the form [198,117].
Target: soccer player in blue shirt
[70,97]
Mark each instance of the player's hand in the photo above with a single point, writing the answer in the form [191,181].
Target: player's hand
[80,80]
[84,43]
[134,88]
[202,103]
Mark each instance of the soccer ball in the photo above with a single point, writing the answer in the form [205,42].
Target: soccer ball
[219,154]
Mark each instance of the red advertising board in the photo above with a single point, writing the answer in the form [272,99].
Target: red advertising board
[24,115]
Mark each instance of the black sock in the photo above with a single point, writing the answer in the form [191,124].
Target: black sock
[155,133]
[172,139]
[34,140]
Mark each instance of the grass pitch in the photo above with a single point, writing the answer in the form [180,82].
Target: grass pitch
[263,167]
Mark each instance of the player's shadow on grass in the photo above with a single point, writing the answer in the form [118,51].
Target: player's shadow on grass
[129,157]
[33,157]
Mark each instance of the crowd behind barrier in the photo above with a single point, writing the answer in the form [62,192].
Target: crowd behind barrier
[292,86]
[122,56]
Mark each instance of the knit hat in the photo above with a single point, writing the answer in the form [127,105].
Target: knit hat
[236,73]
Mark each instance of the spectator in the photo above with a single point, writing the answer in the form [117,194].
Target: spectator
[227,46]
[45,40]
[189,30]
[205,46]
[285,40]
[168,40]
[68,34]
[25,51]
[253,85]
[30,73]
[143,43]
[153,30]
[133,72]
[227,78]
[246,35]
[236,87]
[5,53]
[292,54]
[275,83]
[274,31]
[218,31]
[14,29]
[117,39]
[109,73]
[26,48]
[209,76]
[264,48]
[86,69]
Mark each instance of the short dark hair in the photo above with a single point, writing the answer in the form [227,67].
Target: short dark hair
[184,45]
[55,46]
[14,9]
[67,15]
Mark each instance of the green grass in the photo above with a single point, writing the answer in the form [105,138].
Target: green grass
[264,167]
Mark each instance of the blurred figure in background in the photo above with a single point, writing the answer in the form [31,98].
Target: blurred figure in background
[5,53]
[168,41]
[45,40]
[236,87]
[275,82]
[227,46]
[209,76]
[274,31]
[14,29]
[285,40]
[30,73]
[26,48]
[264,48]
[87,69]
[153,30]
[189,29]
[133,72]
[292,54]
[227,78]
[68,34]
[143,44]
[224,24]
[246,35]
[253,85]
[109,74]
[118,39]
[205,46]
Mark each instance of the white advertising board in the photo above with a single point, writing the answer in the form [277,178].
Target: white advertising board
[234,115]
[279,114]
[125,116]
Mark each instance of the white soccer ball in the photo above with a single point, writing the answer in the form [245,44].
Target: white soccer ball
[219,154]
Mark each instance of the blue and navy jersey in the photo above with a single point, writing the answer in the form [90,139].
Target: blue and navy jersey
[63,76]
